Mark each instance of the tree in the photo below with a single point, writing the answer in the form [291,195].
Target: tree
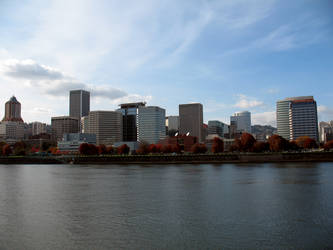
[199,148]
[20,148]
[277,143]
[152,148]
[246,142]
[84,149]
[110,150]
[46,146]
[102,149]
[306,142]
[259,147]
[166,149]
[293,146]
[218,145]
[176,149]
[328,145]
[6,150]
[143,149]
[123,149]
[236,146]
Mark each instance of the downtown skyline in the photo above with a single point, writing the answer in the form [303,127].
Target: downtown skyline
[228,56]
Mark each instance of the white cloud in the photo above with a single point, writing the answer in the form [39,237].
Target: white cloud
[245,102]
[53,82]
[264,118]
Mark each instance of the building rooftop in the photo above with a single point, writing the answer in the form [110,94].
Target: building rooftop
[132,105]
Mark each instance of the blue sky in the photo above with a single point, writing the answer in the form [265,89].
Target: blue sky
[228,55]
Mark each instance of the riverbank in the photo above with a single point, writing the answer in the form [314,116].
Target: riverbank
[174,159]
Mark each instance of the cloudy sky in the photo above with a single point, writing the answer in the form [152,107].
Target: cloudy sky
[228,55]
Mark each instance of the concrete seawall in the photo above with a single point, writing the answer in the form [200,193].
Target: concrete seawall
[174,159]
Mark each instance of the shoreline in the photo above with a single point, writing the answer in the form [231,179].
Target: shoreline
[173,159]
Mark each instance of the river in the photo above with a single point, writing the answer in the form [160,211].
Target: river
[229,206]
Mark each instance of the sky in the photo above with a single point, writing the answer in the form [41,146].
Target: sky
[228,55]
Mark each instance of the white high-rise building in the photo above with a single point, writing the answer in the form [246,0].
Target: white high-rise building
[242,120]
[151,124]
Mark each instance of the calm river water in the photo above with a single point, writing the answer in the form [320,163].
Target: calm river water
[252,206]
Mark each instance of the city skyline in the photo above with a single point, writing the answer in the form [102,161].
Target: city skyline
[228,56]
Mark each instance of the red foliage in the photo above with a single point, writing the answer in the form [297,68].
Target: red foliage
[123,149]
[143,149]
[199,148]
[218,145]
[246,142]
[277,143]
[34,150]
[293,146]
[166,149]
[6,150]
[306,142]
[110,150]
[88,149]
[236,146]
[102,149]
[259,147]
[152,148]
[328,145]
[176,149]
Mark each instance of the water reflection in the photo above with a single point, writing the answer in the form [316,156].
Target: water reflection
[170,206]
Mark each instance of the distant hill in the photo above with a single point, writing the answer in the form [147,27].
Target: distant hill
[263,130]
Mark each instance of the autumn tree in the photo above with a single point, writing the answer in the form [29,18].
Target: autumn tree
[110,150]
[259,147]
[306,142]
[143,149]
[328,145]
[102,150]
[236,146]
[166,149]
[218,145]
[277,143]
[246,142]
[176,149]
[199,148]
[6,150]
[123,149]
[20,148]
[293,146]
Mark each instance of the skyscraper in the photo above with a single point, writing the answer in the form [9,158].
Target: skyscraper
[297,116]
[191,120]
[12,110]
[106,125]
[79,103]
[151,124]
[217,128]
[242,121]
[130,116]
[63,125]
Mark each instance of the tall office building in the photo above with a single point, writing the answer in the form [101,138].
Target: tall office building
[79,103]
[172,122]
[106,125]
[38,128]
[191,120]
[63,125]
[297,116]
[130,116]
[217,128]
[242,121]
[12,110]
[151,124]
[325,131]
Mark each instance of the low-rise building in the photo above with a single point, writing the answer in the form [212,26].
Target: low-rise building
[72,141]
[63,125]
